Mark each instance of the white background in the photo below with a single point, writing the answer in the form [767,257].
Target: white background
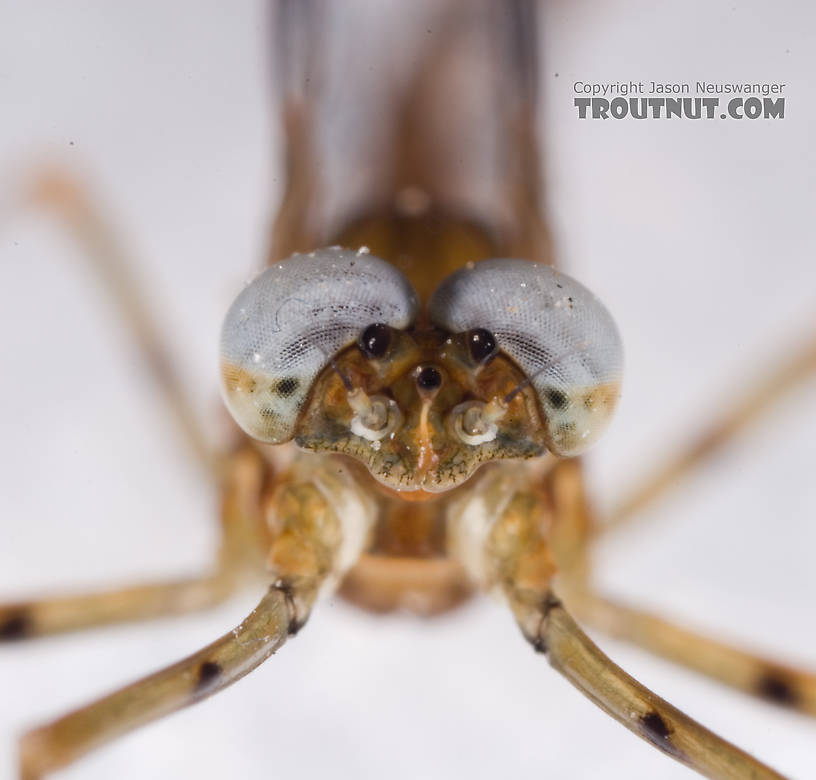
[698,235]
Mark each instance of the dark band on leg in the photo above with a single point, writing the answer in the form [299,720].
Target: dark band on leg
[208,674]
[774,687]
[18,625]
[658,731]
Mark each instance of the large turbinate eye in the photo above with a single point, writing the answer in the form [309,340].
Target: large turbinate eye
[286,326]
[557,331]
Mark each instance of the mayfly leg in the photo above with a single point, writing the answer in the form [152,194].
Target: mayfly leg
[63,195]
[768,679]
[240,560]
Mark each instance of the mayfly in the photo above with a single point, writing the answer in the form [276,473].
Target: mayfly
[425,354]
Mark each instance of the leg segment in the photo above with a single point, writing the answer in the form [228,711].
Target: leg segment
[500,534]
[279,614]
[28,619]
[551,630]
[775,682]
[738,418]
[573,522]
[322,522]
[244,543]
[62,195]
[242,534]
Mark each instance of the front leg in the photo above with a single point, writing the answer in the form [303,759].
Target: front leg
[321,522]
[751,672]
[551,630]
[61,742]
[243,544]
[500,532]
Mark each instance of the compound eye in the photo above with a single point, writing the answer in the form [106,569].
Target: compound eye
[375,340]
[556,330]
[285,327]
[482,344]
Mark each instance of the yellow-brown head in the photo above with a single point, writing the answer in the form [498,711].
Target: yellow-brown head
[516,360]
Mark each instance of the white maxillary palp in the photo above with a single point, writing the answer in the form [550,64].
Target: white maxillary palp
[374,417]
[475,422]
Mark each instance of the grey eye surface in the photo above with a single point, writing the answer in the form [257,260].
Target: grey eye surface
[556,330]
[284,328]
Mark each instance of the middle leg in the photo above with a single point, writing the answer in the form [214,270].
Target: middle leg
[773,681]
[244,541]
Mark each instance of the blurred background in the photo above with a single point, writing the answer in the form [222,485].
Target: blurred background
[700,238]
